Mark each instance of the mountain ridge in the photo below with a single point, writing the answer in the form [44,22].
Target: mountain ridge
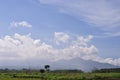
[76,63]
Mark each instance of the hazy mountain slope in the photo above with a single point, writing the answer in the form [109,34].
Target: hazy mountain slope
[76,63]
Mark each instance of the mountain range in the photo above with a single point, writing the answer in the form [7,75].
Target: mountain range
[76,63]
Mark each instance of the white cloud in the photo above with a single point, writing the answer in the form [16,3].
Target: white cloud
[108,60]
[23,47]
[113,61]
[61,37]
[20,24]
[84,41]
[104,14]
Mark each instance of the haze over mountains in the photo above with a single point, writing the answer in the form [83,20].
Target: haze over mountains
[76,63]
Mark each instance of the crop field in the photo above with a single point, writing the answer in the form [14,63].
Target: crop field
[36,75]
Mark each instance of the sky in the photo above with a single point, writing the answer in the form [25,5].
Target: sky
[60,29]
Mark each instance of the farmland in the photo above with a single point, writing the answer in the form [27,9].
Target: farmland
[56,75]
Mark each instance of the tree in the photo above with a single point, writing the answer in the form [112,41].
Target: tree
[42,70]
[47,67]
[42,74]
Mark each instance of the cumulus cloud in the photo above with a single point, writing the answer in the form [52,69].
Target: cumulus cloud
[24,47]
[61,37]
[108,60]
[103,14]
[20,24]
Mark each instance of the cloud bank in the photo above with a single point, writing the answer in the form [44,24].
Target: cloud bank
[24,47]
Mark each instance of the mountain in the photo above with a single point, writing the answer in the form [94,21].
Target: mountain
[76,63]
[80,64]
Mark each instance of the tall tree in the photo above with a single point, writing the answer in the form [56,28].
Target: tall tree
[47,67]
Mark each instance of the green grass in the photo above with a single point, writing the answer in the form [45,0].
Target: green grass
[58,76]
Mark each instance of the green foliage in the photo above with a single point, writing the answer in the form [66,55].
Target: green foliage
[107,70]
[42,70]
[68,71]
[56,75]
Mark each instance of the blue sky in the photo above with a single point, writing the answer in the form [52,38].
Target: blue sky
[58,23]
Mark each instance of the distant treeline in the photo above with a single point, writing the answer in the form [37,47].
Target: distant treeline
[19,70]
[68,71]
[107,70]
[38,70]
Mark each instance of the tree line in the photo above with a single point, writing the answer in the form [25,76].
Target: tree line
[107,70]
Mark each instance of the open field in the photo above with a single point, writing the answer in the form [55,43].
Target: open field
[36,75]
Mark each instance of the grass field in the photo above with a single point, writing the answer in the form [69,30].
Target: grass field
[36,75]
